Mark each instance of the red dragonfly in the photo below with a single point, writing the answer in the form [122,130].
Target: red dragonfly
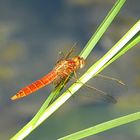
[62,71]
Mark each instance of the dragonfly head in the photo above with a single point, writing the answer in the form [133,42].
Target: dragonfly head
[80,62]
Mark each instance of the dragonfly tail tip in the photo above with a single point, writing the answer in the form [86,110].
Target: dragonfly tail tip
[14,97]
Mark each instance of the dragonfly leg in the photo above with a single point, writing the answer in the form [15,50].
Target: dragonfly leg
[110,78]
[107,96]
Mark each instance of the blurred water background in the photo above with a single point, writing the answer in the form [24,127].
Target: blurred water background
[31,35]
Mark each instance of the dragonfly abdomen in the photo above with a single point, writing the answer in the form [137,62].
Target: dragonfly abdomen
[47,79]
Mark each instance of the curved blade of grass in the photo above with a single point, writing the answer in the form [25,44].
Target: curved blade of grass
[103,127]
[93,70]
[49,100]
[102,28]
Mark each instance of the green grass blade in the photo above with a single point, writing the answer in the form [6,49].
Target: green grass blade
[49,100]
[103,127]
[102,28]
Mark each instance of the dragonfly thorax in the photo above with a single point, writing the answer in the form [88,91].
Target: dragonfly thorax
[66,67]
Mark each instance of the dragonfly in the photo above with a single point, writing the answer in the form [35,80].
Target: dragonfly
[62,72]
